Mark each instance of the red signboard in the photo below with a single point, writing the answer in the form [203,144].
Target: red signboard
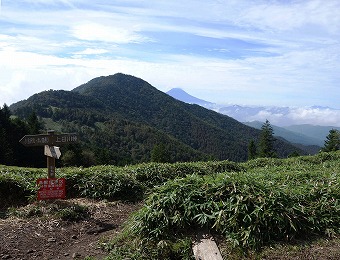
[51,188]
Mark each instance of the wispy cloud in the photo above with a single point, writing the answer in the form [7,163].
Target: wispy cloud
[97,32]
[89,51]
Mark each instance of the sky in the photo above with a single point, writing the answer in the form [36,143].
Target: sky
[246,52]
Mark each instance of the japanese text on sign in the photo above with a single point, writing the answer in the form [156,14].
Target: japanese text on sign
[66,139]
[51,188]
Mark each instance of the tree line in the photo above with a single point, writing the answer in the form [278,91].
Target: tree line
[118,143]
[12,129]
[266,144]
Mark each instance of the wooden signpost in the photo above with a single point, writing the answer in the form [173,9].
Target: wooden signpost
[51,187]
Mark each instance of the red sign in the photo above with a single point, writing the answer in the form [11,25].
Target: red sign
[51,188]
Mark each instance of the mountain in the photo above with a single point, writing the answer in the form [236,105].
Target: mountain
[121,119]
[181,95]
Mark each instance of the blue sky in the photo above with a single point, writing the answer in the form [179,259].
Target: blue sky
[247,52]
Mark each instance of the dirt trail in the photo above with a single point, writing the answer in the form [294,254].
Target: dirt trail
[47,237]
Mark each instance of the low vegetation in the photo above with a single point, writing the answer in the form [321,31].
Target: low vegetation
[248,206]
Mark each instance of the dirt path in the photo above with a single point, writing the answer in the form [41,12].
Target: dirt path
[48,237]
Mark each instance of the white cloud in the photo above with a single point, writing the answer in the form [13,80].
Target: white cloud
[297,115]
[98,32]
[90,51]
[316,116]
[283,16]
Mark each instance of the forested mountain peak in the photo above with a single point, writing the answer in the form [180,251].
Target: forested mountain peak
[128,95]
[119,83]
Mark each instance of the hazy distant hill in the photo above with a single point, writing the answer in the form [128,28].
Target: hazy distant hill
[313,131]
[122,118]
[310,144]
[291,136]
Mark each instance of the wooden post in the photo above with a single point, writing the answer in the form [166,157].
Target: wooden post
[50,167]
[50,160]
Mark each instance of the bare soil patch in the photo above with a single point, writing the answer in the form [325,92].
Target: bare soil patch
[49,237]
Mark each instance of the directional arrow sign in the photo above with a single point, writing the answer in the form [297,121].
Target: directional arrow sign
[48,139]
[36,140]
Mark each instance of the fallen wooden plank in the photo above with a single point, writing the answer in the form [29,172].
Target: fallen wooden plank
[205,248]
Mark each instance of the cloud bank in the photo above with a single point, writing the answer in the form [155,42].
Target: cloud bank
[284,116]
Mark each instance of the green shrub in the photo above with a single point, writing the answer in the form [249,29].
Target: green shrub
[73,213]
[17,185]
[249,208]
[153,174]
[102,182]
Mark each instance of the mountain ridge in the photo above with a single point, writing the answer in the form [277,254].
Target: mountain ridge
[126,117]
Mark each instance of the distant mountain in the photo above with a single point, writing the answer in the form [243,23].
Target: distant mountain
[316,132]
[291,136]
[122,118]
[181,95]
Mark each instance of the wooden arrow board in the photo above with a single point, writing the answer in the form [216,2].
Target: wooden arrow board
[36,140]
[65,139]
[48,139]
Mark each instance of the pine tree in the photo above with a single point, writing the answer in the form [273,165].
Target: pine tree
[252,150]
[33,123]
[332,142]
[159,153]
[267,141]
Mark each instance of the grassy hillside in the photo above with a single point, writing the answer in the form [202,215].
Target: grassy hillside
[249,205]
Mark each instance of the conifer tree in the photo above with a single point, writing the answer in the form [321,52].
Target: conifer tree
[267,141]
[159,153]
[252,150]
[332,142]
[33,123]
